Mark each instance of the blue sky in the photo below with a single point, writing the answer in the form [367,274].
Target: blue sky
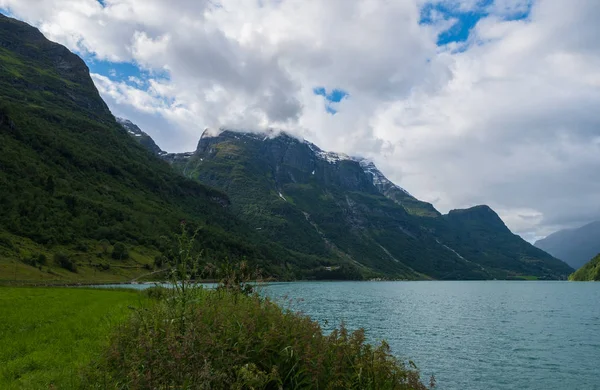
[464,19]
[331,97]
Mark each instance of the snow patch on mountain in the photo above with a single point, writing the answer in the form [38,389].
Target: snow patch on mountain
[330,157]
[379,180]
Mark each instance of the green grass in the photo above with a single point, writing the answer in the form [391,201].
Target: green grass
[20,263]
[226,340]
[48,334]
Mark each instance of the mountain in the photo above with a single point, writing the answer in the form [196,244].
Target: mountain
[144,139]
[589,272]
[574,246]
[484,237]
[338,207]
[81,198]
[84,198]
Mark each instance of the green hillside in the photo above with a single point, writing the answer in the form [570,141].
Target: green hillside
[589,272]
[485,238]
[75,188]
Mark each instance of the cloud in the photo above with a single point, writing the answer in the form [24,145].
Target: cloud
[501,111]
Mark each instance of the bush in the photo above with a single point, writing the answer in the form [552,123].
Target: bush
[42,259]
[157,292]
[159,261]
[63,261]
[82,247]
[120,252]
[224,340]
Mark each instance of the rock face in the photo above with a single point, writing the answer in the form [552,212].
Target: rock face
[574,246]
[335,206]
[141,137]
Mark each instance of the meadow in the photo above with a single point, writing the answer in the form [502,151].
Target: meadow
[48,335]
[70,338]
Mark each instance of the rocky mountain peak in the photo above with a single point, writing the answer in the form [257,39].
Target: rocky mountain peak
[140,136]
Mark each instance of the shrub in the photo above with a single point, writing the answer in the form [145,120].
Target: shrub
[159,261]
[157,292]
[42,259]
[120,252]
[82,247]
[32,261]
[224,340]
[63,261]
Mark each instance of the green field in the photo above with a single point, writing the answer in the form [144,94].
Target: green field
[47,335]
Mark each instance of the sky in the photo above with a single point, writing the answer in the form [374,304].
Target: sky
[461,102]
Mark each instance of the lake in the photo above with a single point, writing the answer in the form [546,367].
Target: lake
[470,335]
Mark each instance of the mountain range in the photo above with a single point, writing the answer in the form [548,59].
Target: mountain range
[574,246]
[76,183]
[340,207]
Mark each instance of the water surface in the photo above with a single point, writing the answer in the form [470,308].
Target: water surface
[470,335]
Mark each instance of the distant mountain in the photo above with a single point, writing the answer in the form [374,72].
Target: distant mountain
[589,272]
[484,237]
[574,246]
[334,206]
[144,139]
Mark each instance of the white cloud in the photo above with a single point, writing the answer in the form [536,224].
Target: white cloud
[510,119]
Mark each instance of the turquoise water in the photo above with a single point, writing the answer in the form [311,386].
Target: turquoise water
[470,335]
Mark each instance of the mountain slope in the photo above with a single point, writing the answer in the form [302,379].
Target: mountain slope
[574,246]
[330,205]
[73,183]
[144,139]
[589,272]
[485,237]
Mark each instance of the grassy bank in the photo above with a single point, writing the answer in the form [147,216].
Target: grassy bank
[226,339]
[48,334]
[63,338]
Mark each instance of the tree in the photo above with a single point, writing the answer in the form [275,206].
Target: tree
[120,252]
